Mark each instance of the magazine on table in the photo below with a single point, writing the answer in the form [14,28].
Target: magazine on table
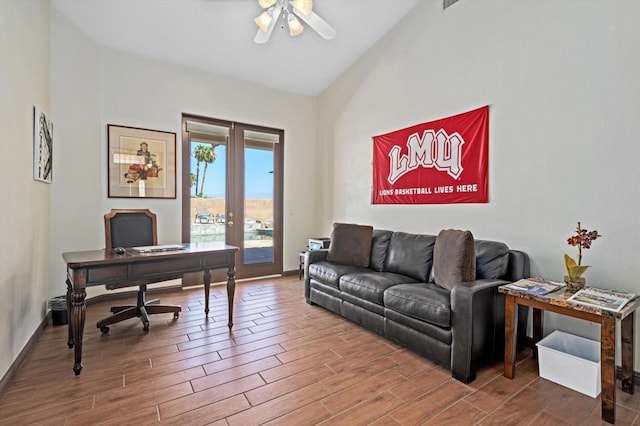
[603,299]
[536,285]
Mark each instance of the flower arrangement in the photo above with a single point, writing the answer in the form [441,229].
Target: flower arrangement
[583,239]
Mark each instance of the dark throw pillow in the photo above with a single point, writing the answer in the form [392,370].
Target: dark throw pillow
[454,258]
[350,244]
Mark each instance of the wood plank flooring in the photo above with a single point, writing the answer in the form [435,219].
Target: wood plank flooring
[285,363]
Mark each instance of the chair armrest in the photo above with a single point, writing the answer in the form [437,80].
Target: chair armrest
[312,256]
[477,325]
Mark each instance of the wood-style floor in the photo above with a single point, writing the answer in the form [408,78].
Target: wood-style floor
[285,362]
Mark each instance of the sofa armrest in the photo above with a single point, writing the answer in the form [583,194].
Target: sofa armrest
[311,256]
[477,323]
[518,266]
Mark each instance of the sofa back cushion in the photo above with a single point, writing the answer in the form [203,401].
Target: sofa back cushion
[454,258]
[379,247]
[410,254]
[492,259]
[350,244]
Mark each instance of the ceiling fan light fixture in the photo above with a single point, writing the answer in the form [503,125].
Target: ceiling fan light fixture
[266,3]
[295,27]
[304,6]
[296,13]
[264,20]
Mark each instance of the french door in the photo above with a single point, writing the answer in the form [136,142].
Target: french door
[232,192]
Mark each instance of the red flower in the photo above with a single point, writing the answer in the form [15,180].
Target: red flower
[583,239]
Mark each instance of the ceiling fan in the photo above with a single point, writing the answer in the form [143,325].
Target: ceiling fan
[290,10]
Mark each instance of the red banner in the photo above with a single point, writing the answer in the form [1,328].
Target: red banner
[440,162]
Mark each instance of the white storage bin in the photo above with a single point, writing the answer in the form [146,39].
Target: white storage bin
[570,361]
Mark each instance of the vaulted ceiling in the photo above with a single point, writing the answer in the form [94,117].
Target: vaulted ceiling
[217,36]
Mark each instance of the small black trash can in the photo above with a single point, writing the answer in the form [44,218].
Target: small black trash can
[58,306]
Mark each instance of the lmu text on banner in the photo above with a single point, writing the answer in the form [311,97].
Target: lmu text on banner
[440,162]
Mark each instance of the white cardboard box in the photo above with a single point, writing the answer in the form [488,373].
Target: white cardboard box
[570,361]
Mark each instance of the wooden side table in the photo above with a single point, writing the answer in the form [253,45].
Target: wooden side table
[557,302]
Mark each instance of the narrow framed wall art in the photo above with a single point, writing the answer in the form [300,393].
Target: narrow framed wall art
[42,146]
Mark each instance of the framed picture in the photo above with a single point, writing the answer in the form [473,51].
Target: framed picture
[42,146]
[141,163]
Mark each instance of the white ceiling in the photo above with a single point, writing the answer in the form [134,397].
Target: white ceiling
[217,36]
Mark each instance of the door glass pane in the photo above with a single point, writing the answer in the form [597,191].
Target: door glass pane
[208,182]
[258,197]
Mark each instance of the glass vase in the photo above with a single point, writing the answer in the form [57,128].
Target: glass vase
[574,284]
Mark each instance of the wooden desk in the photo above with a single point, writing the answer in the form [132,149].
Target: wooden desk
[101,267]
[557,302]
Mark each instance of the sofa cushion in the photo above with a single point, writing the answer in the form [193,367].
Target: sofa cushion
[410,254]
[454,258]
[379,247]
[329,273]
[492,259]
[350,244]
[423,301]
[370,286]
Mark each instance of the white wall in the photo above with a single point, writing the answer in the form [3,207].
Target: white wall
[76,97]
[561,79]
[24,224]
[95,86]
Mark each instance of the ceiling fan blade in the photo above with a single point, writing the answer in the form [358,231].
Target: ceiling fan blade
[263,36]
[317,23]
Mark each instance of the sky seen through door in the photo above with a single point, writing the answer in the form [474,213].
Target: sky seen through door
[259,172]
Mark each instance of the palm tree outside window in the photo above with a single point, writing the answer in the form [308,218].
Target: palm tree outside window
[203,154]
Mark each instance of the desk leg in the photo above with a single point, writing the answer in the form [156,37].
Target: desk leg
[626,332]
[538,326]
[300,266]
[78,316]
[510,332]
[69,322]
[231,289]
[207,287]
[608,367]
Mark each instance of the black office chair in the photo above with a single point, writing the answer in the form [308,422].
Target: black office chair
[125,229]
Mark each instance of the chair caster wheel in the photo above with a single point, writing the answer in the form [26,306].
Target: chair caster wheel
[104,329]
[145,327]
[176,315]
